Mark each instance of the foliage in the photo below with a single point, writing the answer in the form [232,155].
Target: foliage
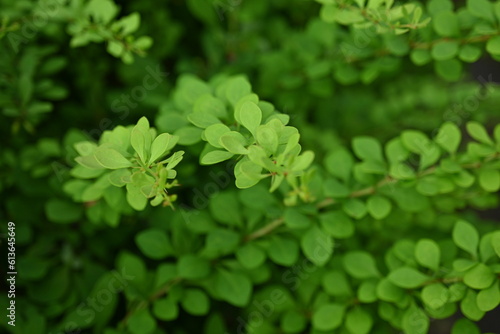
[310,167]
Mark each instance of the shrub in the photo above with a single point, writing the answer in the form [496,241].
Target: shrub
[302,167]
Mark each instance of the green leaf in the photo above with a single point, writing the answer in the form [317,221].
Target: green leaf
[359,321]
[435,295]
[493,45]
[469,307]
[449,137]
[386,291]
[132,265]
[367,291]
[479,277]
[293,322]
[141,322]
[214,157]
[225,208]
[140,138]
[337,224]
[111,159]
[234,142]
[355,208]
[267,138]
[202,119]
[154,243]
[103,11]
[339,163]
[221,242]
[160,146]
[302,162]
[191,266]
[317,246]
[210,105]
[367,148]
[195,302]
[465,326]
[407,277]
[489,298]
[446,24]
[479,133]
[296,220]
[165,309]
[336,283]
[489,180]
[250,116]
[328,317]
[247,174]
[128,24]
[444,50]
[336,189]
[63,212]
[250,256]
[428,254]
[415,321]
[283,251]
[420,57]
[360,264]
[482,9]
[470,53]
[466,237]
[233,287]
[236,89]
[450,70]
[495,242]
[214,132]
[378,206]
[188,135]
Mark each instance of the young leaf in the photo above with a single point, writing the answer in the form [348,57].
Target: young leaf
[267,138]
[489,180]
[328,317]
[159,147]
[250,116]
[214,132]
[489,298]
[234,142]
[111,159]
[479,277]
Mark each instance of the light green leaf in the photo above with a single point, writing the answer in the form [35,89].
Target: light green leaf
[466,237]
[355,208]
[160,146]
[479,277]
[407,277]
[214,132]
[141,322]
[478,132]
[214,157]
[465,326]
[360,264]
[236,89]
[489,298]
[234,142]
[358,321]
[294,219]
[495,242]
[415,321]
[489,180]
[444,50]
[140,138]
[202,119]
[469,307]
[482,9]
[250,116]
[446,24]
[267,138]
[428,254]
[110,158]
[165,309]
[303,161]
[339,163]
[378,206]
[449,137]
[435,295]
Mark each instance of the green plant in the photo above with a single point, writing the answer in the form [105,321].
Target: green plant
[309,168]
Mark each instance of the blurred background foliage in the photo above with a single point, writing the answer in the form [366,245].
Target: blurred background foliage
[69,70]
